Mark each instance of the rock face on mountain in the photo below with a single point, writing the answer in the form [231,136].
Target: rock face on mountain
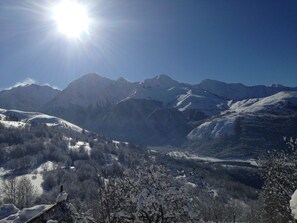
[30,97]
[159,111]
[144,121]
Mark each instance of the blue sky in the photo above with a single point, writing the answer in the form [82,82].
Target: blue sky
[248,41]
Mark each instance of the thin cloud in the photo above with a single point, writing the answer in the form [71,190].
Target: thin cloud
[54,87]
[26,82]
[29,81]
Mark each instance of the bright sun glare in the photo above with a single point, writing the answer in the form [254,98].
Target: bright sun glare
[72,18]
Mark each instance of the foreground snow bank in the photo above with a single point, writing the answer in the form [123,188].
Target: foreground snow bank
[10,214]
[7,210]
[293,204]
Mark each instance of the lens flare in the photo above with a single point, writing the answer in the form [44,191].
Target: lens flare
[71,18]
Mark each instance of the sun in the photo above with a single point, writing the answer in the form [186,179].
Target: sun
[71,18]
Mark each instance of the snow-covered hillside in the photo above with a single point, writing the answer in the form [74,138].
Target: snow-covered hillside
[249,128]
[92,90]
[280,104]
[19,119]
[239,91]
[149,109]
[29,97]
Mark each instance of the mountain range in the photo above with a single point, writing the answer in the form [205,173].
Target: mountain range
[211,117]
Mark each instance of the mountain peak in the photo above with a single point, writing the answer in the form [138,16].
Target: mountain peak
[277,86]
[160,81]
[163,77]
[90,76]
[121,79]
[31,97]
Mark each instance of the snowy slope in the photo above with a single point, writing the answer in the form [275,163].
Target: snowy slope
[110,107]
[92,90]
[24,118]
[239,91]
[178,95]
[10,214]
[201,100]
[97,92]
[29,97]
[280,104]
[161,88]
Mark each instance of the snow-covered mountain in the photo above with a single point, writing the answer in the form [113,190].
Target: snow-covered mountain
[92,90]
[158,110]
[95,92]
[29,97]
[19,119]
[130,111]
[144,121]
[251,123]
[239,91]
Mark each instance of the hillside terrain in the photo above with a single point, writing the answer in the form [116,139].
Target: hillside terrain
[44,156]
[211,118]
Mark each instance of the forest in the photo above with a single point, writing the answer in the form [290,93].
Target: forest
[123,182]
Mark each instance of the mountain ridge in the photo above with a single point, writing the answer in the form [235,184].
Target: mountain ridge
[156,111]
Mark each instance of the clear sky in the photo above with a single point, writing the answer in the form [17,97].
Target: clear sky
[248,41]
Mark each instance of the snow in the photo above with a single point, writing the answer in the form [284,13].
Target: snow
[93,89]
[237,91]
[191,184]
[28,213]
[188,156]
[47,166]
[3,172]
[11,124]
[117,143]
[35,175]
[13,215]
[7,210]
[35,117]
[214,192]
[224,125]
[293,204]
[80,144]
[54,121]
[214,129]
[275,102]
[201,100]
[62,197]
[181,176]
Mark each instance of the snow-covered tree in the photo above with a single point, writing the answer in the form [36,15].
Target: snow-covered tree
[20,192]
[280,182]
[9,190]
[147,194]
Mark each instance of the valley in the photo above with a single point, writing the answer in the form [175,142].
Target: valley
[203,141]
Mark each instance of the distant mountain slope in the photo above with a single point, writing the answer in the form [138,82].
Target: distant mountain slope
[30,97]
[16,118]
[144,121]
[249,127]
[156,111]
[240,91]
[92,90]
